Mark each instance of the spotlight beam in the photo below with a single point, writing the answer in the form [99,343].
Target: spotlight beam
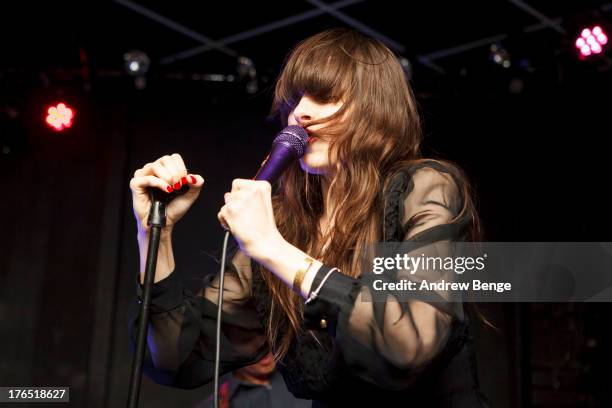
[358,25]
[463,47]
[245,35]
[540,26]
[173,25]
[540,16]
[430,64]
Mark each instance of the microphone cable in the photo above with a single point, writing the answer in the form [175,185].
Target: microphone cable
[219,312]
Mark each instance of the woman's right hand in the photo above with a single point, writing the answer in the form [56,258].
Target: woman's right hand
[166,173]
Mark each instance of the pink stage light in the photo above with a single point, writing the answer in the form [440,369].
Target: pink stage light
[591,41]
[59,117]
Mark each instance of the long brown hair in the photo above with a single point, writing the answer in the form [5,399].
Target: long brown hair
[383,133]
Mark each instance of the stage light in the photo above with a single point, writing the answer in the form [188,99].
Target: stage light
[245,67]
[406,67]
[585,50]
[136,62]
[602,39]
[248,73]
[591,41]
[500,56]
[596,48]
[60,116]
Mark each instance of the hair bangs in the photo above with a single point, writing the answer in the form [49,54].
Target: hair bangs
[318,68]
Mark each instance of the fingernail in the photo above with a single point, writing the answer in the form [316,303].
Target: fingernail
[184,180]
[169,189]
[177,185]
[193,180]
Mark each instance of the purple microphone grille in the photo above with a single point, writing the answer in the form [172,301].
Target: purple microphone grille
[293,136]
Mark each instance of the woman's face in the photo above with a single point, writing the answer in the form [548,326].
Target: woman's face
[315,160]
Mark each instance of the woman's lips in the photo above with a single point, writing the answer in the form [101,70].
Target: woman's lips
[311,137]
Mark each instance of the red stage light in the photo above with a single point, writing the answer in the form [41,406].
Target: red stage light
[591,41]
[60,116]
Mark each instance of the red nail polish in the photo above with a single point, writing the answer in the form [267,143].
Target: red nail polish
[177,185]
[184,180]
[193,180]
[169,189]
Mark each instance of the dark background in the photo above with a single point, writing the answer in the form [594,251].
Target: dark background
[532,138]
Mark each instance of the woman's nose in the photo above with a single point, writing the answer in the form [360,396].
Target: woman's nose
[301,112]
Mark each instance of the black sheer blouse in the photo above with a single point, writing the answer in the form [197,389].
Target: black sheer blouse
[400,352]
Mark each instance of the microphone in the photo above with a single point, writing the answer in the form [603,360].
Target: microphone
[288,146]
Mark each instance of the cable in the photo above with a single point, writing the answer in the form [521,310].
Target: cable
[219,310]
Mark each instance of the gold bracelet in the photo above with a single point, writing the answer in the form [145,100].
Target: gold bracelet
[299,276]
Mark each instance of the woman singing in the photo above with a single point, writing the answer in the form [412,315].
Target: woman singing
[294,284]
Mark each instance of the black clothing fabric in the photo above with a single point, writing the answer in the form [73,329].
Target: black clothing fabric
[396,352]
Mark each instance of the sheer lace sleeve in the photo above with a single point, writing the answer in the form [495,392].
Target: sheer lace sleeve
[181,338]
[390,337]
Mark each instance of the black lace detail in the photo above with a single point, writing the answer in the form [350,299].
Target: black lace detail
[307,367]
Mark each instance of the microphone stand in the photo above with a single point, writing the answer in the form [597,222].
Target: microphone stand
[156,221]
[288,146]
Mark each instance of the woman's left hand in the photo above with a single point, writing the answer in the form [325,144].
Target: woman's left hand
[248,214]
